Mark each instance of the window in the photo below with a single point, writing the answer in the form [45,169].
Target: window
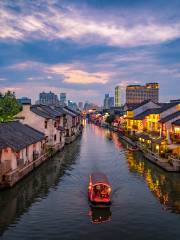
[18,154]
[55,124]
[6,150]
[26,151]
[45,124]
[55,137]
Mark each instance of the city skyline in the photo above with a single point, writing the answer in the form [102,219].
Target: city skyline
[74,48]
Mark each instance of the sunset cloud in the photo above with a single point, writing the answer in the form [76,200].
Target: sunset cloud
[73,75]
[86,49]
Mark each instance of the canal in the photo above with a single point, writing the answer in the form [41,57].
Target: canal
[51,203]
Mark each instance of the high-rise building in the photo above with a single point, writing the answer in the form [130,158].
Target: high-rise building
[72,105]
[111,102]
[90,106]
[48,98]
[117,96]
[139,93]
[62,98]
[24,100]
[80,105]
[108,101]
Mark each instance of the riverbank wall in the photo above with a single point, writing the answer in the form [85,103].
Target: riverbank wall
[12,177]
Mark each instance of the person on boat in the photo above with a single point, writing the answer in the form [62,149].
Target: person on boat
[104,191]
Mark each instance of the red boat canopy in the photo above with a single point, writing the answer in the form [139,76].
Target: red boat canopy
[99,177]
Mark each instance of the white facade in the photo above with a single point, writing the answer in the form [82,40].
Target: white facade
[11,160]
[146,106]
[48,126]
[170,111]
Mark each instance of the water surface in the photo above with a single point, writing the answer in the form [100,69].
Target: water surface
[51,203]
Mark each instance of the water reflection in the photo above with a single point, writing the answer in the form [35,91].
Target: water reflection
[106,133]
[100,215]
[35,187]
[164,186]
[52,202]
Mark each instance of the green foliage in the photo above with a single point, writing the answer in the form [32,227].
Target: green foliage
[51,151]
[9,106]
[110,119]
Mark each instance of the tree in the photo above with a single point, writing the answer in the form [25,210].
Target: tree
[9,106]
[110,119]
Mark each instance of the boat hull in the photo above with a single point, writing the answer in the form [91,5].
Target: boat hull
[99,204]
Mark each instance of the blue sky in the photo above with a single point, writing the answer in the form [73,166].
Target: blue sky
[86,48]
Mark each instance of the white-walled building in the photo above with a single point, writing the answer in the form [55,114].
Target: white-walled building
[20,145]
[59,124]
[45,119]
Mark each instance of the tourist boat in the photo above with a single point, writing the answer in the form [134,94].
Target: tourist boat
[133,148]
[99,189]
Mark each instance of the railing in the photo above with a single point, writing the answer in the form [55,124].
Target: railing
[155,157]
[5,167]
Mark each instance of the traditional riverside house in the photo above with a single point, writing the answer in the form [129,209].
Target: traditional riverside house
[71,123]
[47,120]
[135,114]
[170,112]
[154,125]
[77,120]
[176,131]
[20,146]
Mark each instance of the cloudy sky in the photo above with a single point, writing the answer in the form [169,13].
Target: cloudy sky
[86,48]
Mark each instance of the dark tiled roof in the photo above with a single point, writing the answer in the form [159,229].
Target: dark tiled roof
[72,110]
[142,115]
[177,122]
[46,111]
[130,106]
[52,112]
[133,106]
[67,111]
[166,106]
[60,110]
[17,135]
[170,117]
[163,107]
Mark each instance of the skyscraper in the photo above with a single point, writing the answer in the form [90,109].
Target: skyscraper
[80,105]
[139,93]
[72,105]
[62,98]
[117,96]
[111,102]
[108,101]
[48,98]
[24,100]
